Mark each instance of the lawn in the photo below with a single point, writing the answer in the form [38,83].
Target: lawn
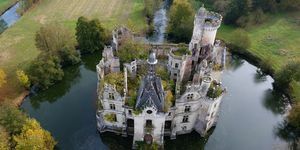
[17,45]
[4,4]
[276,40]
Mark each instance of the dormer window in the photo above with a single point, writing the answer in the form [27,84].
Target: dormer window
[111,96]
[190,96]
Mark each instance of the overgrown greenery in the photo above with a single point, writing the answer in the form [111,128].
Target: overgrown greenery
[117,79]
[182,50]
[142,145]
[27,4]
[131,50]
[4,139]
[91,35]
[215,90]
[181,18]
[23,79]
[110,117]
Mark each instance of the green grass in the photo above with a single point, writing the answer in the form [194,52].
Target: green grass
[5,4]
[276,40]
[17,48]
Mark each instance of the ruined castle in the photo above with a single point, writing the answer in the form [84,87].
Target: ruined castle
[149,104]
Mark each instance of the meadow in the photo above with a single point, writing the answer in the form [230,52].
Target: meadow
[276,40]
[17,44]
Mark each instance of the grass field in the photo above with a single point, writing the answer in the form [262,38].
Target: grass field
[17,48]
[4,4]
[277,40]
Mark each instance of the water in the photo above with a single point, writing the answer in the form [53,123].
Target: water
[249,118]
[160,22]
[9,17]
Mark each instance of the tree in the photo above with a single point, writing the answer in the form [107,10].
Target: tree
[130,50]
[45,71]
[294,116]
[57,40]
[2,77]
[4,142]
[23,78]
[180,26]
[11,118]
[285,76]
[34,137]
[90,35]
[237,9]
[241,39]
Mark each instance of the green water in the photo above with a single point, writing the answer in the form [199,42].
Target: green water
[250,114]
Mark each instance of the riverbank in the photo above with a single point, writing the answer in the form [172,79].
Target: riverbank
[274,41]
[17,48]
[6,4]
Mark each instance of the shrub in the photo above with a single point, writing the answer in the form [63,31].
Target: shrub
[110,117]
[23,78]
[214,90]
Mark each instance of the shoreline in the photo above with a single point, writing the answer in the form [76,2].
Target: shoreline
[5,10]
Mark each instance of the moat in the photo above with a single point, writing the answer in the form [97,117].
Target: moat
[249,118]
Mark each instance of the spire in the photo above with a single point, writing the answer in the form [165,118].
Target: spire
[202,10]
[152,59]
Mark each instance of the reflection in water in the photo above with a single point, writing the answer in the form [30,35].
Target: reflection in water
[250,116]
[275,102]
[160,23]
[71,77]
[3,26]
[288,133]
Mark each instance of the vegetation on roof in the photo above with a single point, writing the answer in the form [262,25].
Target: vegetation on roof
[215,90]
[181,51]
[110,117]
[116,79]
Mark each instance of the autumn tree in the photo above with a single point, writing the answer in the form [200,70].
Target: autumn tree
[2,77]
[11,118]
[4,139]
[34,137]
[57,40]
[180,26]
[23,78]
[90,35]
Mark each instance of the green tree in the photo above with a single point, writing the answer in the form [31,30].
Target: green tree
[241,39]
[237,9]
[180,26]
[130,50]
[45,71]
[90,35]
[57,40]
[2,77]
[4,139]
[285,76]
[23,78]
[33,137]
[11,118]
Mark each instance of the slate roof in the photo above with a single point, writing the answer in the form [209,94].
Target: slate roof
[151,93]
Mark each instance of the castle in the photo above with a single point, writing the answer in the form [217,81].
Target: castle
[173,96]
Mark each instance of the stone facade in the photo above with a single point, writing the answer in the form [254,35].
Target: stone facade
[197,92]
